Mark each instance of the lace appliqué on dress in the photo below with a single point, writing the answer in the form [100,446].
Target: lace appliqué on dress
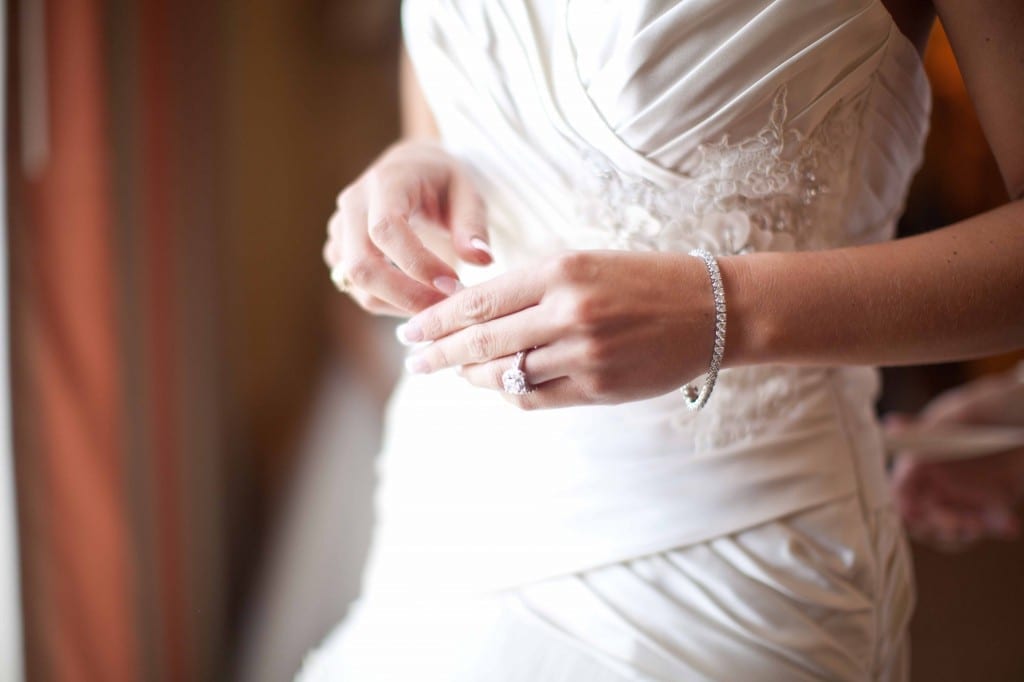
[772,191]
[779,190]
[751,402]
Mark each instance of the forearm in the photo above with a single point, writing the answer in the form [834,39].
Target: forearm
[951,294]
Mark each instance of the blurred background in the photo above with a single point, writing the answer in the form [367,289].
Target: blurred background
[195,410]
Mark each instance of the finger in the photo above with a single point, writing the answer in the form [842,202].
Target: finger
[904,470]
[488,341]
[913,481]
[366,301]
[332,246]
[970,525]
[331,253]
[375,305]
[949,528]
[369,302]
[467,217]
[391,202]
[367,268]
[977,401]
[897,422]
[1001,523]
[375,276]
[540,365]
[949,546]
[910,505]
[563,392]
[504,295]
[926,534]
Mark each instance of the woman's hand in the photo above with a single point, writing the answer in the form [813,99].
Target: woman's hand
[953,504]
[608,327]
[374,253]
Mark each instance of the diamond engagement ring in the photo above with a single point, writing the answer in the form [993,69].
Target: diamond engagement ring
[513,380]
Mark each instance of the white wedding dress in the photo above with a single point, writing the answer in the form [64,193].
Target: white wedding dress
[753,540]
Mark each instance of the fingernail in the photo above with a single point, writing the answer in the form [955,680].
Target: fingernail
[409,333]
[480,245]
[416,364]
[448,285]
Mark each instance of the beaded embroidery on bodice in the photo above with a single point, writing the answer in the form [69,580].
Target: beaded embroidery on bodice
[778,190]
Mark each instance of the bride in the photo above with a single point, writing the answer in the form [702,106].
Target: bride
[672,220]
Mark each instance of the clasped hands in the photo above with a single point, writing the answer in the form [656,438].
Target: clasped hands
[606,326]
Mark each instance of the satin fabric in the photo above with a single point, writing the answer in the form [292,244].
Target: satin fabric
[752,537]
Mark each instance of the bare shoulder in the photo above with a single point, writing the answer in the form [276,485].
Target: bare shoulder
[988,40]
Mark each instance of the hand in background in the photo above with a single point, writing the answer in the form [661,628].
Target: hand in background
[953,504]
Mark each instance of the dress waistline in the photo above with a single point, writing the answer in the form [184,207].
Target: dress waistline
[486,543]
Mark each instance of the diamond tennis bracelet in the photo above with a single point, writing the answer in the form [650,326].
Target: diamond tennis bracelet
[695,399]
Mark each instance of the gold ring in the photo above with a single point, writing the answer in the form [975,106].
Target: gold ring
[341,280]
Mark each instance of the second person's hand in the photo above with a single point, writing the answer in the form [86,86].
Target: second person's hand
[952,504]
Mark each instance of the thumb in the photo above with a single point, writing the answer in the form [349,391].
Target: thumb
[467,218]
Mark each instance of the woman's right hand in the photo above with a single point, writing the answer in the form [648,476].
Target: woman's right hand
[373,251]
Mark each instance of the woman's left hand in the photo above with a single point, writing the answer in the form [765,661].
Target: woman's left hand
[605,327]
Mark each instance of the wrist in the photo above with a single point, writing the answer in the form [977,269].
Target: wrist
[696,398]
[751,324]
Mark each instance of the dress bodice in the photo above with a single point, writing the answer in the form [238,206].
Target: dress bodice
[735,125]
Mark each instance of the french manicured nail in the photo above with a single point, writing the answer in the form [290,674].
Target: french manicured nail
[481,245]
[416,364]
[409,333]
[447,285]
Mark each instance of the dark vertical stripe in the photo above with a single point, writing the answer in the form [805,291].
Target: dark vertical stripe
[157,92]
[121,20]
[197,160]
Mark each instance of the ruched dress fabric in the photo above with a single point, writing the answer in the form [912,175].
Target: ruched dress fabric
[753,540]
